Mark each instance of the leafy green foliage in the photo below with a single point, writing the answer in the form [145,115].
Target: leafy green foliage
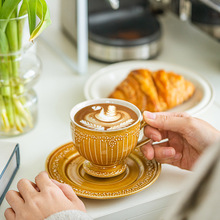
[34,8]
[13,112]
[44,15]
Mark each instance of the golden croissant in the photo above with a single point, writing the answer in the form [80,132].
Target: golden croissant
[154,91]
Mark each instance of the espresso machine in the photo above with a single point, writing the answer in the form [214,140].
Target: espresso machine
[121,30]
[117,29]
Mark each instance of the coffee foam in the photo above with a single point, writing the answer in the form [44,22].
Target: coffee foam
[111,119]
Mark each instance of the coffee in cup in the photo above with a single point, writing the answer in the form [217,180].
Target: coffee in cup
[105,132]
[105,117]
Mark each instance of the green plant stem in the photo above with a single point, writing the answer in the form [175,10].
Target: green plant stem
[4,117]
[13,110]
[12,36]
[5,69]
[23,111]
[16,84]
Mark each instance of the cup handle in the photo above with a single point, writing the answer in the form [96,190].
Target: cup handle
[143,124]
[144,140]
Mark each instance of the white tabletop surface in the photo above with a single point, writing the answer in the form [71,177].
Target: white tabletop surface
[60,88]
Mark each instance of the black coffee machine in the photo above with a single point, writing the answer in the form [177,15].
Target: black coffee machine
[122,30]
[119,29]
[130,29]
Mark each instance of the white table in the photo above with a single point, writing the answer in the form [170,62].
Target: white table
[59,89]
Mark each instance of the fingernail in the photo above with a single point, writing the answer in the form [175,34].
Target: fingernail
[149,115]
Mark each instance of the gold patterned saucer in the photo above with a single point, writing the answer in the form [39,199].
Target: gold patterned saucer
[65,165]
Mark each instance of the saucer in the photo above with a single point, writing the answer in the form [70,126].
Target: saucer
[65,165]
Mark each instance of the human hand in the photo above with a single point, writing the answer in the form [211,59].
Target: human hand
[188,137]
[39,201]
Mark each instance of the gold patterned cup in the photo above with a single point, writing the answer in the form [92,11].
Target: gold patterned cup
[105,151]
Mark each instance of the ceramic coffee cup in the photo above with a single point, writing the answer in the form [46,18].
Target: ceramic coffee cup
[105,150]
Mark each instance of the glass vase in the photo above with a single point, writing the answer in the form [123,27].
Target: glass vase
[19,71]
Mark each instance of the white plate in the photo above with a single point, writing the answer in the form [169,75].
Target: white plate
[104,81]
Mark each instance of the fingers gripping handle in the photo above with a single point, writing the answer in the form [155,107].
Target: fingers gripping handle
[144,140]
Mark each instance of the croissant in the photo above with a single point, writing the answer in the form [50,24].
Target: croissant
[154,91]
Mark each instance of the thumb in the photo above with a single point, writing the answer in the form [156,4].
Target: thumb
[169,121]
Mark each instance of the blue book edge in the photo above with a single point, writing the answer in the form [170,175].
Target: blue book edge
[17,152]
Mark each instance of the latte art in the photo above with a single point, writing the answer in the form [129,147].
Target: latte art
[107,117]
[110,116]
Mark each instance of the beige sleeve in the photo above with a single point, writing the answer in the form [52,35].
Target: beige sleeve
[69,215]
